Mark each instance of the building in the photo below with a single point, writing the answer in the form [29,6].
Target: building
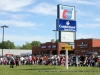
[83,46]
[53,48]
[15,52]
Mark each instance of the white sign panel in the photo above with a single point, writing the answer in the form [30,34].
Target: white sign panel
[67,36]
[66,12]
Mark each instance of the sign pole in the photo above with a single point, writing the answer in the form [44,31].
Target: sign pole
[66,59]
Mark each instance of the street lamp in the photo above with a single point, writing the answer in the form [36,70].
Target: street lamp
[4,26]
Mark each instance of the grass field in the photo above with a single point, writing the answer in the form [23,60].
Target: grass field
[48,70]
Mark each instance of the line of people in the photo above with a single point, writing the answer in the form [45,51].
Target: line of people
[51,60]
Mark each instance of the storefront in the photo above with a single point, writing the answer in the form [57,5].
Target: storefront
[49,48]
[83,46]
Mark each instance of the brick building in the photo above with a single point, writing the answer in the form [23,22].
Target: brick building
[49,48]
[82,46]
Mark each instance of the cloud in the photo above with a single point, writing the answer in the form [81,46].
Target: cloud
[97,19]
[44,8]
[80,13]
[13,16]
[83,13]
[3,13]
[89,25]
[14,5]
[78,2]
[17,23]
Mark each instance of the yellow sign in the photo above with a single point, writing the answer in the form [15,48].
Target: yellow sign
[67,47]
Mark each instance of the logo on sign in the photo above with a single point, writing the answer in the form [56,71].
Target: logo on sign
[67,12]
[83,45]
[66,25]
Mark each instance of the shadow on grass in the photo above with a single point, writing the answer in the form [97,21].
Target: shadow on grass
[40,69]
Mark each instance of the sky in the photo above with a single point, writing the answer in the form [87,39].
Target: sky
[35,20]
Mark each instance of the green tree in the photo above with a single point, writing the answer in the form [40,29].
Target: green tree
[18,47]
[52,40]
[30,45]
[0,45]
[35,43]
[27,46]
[7,45]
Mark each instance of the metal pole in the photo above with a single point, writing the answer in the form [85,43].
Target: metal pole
[4,26]
[56,41]
[56,36]
[2,41]
[66,59]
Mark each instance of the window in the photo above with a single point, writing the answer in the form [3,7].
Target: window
[77,51]
[95,50]
[87,50]
[43,46]
[82,50]
[53,46]
[49,46]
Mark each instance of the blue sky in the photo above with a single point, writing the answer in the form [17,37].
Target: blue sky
[30,20]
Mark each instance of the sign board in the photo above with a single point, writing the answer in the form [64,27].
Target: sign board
[83,45]
[66,22]
[66,25]
[67,37]
[66,12]
[67,47]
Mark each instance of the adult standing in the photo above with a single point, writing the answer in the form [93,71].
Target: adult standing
[12,62]
[17,61]
[94,60]
[1,59]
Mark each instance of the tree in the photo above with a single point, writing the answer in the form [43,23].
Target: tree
[0,45]
[57,40]
[18,47]
[7,45]
[52,40]
[10,45]
[35,43]
[30,45]
[27,46]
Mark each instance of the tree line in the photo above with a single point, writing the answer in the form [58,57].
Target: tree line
[10,45]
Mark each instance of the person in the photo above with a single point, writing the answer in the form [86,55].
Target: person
[17,61]
[82,58]
[98,61]
[12,62]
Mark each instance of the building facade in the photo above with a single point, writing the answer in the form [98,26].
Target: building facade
[83,46]
[15,52]
[49,48]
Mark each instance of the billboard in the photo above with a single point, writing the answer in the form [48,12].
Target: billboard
[67,36]
[66,12]
[66,25]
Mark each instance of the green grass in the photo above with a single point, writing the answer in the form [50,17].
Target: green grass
[48,70]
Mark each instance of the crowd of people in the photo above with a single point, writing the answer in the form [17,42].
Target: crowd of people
[57,60]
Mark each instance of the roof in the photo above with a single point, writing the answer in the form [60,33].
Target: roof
[89,39]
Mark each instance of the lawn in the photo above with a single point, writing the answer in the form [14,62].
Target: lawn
[48,70]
